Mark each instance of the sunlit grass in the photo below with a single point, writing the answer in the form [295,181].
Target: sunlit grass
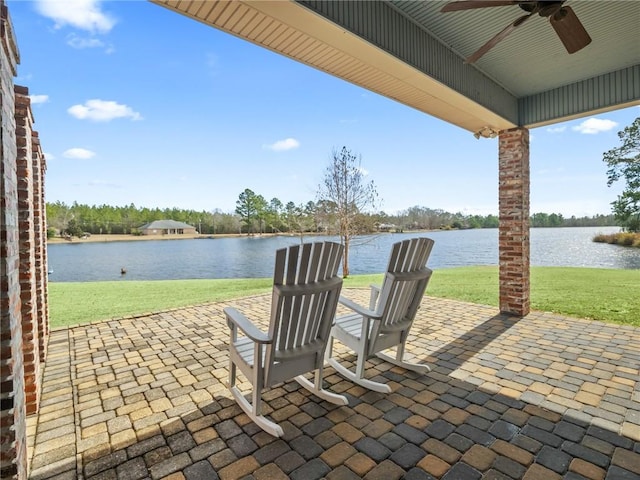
[600,294]
[71,303]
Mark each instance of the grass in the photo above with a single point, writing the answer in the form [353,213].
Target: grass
[72,303]
[600,294]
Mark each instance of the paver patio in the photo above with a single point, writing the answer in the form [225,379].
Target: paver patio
[543,397]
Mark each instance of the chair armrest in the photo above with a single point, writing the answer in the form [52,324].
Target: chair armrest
[365,312]
[243,323]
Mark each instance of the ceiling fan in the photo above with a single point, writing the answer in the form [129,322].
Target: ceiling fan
[563,19]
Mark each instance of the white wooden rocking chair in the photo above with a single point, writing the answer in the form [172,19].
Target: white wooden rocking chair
[387,321]
[303,306]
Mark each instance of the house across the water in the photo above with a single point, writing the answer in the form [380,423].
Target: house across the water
[167,227]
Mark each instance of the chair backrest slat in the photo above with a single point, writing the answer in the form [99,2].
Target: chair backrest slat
[312,274]
[292,264]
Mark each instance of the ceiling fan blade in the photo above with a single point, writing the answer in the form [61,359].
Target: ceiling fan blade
[499,37]
[568,27]
[471,4]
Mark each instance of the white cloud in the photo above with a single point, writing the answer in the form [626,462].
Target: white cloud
[103,111]
[594,125]
[49,156]
[82,14]
[79,153]
[35,99]
[556,129]
[363,171]
[79,43]
[282,145]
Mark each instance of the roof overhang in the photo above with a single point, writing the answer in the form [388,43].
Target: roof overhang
[411,52]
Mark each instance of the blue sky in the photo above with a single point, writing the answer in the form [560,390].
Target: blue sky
[136,104]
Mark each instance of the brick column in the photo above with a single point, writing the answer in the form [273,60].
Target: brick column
[13,442]
[28,247]
[514,221]
[40,238]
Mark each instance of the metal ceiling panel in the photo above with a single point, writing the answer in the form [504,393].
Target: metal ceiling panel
[532,59]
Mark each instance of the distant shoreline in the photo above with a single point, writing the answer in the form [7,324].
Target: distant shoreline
[95,238]
[135,238]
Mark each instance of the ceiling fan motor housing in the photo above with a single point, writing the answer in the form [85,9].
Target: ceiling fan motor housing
[544,9]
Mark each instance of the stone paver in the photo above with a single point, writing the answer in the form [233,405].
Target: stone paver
[545,396]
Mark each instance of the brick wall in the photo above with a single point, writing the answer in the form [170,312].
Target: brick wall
[24,323]
[513,158]
[27,248]
[40,238]
[13,413]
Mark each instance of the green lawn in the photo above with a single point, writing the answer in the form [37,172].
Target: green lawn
[601,294]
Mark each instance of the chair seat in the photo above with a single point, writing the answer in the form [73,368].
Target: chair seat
[244,348]
[351,324]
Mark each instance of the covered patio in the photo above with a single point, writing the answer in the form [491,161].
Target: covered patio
[513,394]
[541,397]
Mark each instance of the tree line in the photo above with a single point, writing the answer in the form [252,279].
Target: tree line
[275,216]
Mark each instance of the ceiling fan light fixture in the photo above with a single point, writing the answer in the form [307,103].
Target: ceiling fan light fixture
[571,32]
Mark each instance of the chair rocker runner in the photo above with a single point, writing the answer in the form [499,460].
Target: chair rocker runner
[387,321]
[306,288]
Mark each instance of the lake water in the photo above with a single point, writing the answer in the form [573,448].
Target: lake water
[245,257]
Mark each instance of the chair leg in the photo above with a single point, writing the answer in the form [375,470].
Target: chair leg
[316,389]
[360,380]
[358,375]
[400,362]
[253,408]
[328,352]
[267,425]
[232,373]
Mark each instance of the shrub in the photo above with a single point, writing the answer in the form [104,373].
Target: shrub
[602,238]
[626,239]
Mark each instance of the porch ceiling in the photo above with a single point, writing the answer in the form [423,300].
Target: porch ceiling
[411,52]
